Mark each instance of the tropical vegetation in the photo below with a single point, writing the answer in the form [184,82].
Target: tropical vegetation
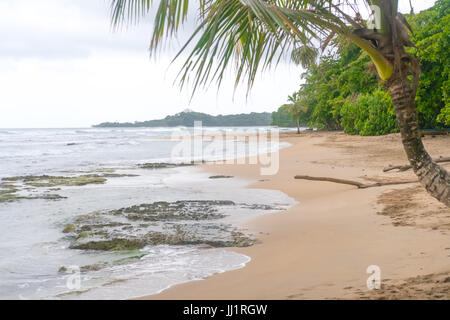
[341,90]
[254,34]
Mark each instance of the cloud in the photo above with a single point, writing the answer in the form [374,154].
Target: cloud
[62,66]
[61,29]
[82,92]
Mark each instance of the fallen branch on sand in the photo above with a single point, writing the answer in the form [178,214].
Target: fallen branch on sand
[407,166]
[360,185]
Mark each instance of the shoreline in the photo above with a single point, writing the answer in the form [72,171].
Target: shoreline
[321,247]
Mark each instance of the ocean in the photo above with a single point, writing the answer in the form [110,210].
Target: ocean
[109,213]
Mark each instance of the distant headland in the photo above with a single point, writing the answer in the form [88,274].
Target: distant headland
[187,118]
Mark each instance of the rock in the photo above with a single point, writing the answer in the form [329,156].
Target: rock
[62,269]
[179,210]
[53,181]
[69,228]
[114,244]
[183,222]
[181,237]
[92,267]
[162,165]
[47,197]
[82,235]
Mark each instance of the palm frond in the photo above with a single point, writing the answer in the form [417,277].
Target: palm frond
[247,34]
[254,34]
[128,10]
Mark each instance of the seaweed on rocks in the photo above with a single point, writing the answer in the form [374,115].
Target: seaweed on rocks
[54,181]
[10,186]
[9,193]
[178,210]
[163,165]
[183,222]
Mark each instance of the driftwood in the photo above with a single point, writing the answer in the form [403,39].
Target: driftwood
[407,166]
[360,185]
[434,133]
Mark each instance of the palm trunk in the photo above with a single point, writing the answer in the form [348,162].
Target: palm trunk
[433,177]
[298,126]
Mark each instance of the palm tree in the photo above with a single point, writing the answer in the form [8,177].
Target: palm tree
[255,34]
[297,109]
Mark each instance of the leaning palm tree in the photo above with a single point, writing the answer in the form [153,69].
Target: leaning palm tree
[255,34]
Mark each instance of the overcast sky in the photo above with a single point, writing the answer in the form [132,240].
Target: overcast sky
[62,66]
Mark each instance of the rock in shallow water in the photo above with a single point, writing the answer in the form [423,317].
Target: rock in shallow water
[53,181]
[178,210]
[162,165]
[188,222]
[10,186]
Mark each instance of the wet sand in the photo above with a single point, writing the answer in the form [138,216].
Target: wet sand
[321,248]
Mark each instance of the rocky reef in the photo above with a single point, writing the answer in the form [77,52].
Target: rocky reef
[178,210]
[24,187]
[53,181]
[184,222]
[10,193]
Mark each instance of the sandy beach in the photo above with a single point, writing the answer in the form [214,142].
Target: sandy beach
[321,247]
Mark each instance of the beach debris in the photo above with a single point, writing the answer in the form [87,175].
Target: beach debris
[360,185]
[434,133]
[220,177]
[406,167]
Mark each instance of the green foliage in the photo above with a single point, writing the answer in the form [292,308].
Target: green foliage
[444,116]
[371,114]
[342,90]
[282,117]
[431,36]
[329,84]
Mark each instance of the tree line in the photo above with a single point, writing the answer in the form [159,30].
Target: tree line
[343,92]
